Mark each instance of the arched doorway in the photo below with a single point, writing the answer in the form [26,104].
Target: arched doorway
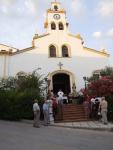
[61,81]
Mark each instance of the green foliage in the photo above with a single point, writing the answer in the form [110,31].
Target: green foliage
[9,105]
[108,71]
[8,84]
[26,100]
[30,81]
[17,95]
[110,107]
[94,77]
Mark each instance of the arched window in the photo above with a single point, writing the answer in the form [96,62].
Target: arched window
[53,26]
[52,51]
[55,7]
[65,52]
[61,27]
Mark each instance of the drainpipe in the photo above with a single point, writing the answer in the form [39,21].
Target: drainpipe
[6,64]
[4,68]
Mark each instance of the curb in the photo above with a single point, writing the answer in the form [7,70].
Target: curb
[85,128]
[74,127]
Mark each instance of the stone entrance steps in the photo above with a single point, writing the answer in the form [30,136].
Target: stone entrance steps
[71,113]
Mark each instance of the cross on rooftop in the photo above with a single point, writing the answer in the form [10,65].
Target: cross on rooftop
[60,65]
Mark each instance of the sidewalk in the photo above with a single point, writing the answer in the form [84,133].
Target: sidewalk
[90,125]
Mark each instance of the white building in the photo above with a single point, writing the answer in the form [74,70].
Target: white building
[60,55]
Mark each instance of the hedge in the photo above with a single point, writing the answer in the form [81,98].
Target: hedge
[16,105]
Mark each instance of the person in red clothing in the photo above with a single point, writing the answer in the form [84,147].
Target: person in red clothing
[54,106]
[86,108]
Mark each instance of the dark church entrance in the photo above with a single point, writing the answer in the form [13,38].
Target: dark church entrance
[61,81]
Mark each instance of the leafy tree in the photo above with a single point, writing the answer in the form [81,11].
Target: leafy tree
[8,83]
[30,81]
[108,71]
[17,95]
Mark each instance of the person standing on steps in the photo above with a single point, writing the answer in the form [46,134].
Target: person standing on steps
[86,108]
[60,96]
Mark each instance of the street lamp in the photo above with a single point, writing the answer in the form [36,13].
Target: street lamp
[47,81]
[85,81]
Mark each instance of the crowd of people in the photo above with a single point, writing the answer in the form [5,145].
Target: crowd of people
[96,108]
[48,109]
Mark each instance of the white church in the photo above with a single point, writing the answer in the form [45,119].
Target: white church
[61,55]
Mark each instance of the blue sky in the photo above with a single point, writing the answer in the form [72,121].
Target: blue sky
[93,19]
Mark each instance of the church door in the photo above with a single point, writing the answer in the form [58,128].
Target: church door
[61,81]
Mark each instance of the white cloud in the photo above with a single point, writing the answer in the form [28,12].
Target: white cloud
[106,34]
[5,6]
[110,33]
[14,8]
[7,2]
[105,8]
[31,6]
[78,7]
[4,9]
[97,34]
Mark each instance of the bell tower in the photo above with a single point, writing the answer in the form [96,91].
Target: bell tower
[56,19]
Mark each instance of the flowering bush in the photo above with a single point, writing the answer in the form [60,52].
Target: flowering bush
[103,86]
[100,87]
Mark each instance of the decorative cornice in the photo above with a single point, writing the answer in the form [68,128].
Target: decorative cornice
[55,3]
[10,53]
[103,53]
[58,11]
[35,36]
[23,50]
[10,47]
[39,36]
[78,36]
[4,52]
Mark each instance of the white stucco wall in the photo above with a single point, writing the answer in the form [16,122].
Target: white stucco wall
[1,66]
[78,65]
[81,63]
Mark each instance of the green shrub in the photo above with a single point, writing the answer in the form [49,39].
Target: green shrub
[110,107]
[17,95]
[9,105]
[26,101]
[16,105]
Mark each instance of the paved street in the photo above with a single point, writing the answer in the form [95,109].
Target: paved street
[22,136]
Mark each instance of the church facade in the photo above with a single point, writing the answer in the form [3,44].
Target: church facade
[62,56]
